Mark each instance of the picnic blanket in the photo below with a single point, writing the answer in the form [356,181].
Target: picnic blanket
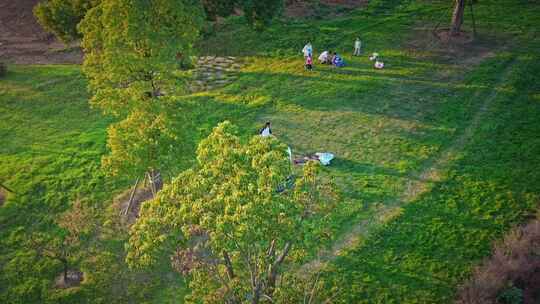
[323,157]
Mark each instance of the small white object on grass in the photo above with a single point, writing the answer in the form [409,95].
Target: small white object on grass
[325,157]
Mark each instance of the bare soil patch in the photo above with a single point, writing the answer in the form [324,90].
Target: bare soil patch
[461,38]
[23,41]
[142,195]
[463,50]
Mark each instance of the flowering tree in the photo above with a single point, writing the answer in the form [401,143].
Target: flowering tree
[224,223]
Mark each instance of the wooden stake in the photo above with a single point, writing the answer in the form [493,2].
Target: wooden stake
[128,208]
[151,182]
[4,186]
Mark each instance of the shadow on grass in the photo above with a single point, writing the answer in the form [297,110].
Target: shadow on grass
[421,101]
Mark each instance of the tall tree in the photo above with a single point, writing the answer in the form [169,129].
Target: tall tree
[131,51]
[225,224]
[74,229]
[457,17]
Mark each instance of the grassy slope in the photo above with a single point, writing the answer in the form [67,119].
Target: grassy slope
[424,253]
[384,126]
[52,142]
[50,135]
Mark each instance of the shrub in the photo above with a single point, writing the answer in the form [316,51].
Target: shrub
[510,295]
[259,14]
[61,17]
[513,260]
[3,69]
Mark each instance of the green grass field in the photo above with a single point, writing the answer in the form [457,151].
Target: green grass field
[437,155]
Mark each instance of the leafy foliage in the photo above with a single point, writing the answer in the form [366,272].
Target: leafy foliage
[259,14]
[131,49]
[215,8]
[224,222]
[131,54]
[61,17]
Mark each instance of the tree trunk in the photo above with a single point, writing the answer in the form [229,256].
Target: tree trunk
[272,275]
[228,265]
[65,263]
[256,294]
[457,17]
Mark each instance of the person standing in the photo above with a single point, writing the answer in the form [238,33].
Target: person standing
[309,63]
[307,50]
[357,47]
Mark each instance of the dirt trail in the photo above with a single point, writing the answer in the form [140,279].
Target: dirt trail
[23,41]
[420,182]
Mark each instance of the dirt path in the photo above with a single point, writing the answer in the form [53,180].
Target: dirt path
[23,41]
[420,182]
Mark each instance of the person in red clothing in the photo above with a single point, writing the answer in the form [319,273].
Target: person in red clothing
[309,63]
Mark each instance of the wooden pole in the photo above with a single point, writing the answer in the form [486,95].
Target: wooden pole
[151,182]
[4,186]
[132,195]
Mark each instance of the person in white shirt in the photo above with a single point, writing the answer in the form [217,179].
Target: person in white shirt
[266,130]
[307,50]
[357,47]
[324,58]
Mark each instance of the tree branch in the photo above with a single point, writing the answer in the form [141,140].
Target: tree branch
[228,265]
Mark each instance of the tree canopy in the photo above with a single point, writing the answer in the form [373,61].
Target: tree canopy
[132,49]
[225,224]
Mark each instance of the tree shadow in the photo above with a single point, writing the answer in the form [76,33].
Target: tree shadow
[420,102]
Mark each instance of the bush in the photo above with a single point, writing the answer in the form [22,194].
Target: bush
[511,295]
[3,69]
[259,14]
[61,17]
[513,260]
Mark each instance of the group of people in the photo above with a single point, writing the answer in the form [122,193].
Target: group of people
[326,57]
[332,58]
